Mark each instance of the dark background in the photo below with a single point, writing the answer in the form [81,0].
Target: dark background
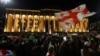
[92,5]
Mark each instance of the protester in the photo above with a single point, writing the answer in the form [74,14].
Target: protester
[51,51]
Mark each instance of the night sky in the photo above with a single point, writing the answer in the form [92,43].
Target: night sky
[92,5]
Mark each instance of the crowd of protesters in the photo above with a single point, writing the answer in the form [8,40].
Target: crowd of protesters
[50,45]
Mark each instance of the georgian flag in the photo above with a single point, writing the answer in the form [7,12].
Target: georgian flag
[64,19]
[82,11]
[73,16]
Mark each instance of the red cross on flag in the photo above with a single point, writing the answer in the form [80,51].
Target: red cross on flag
[82,11]
[64,19]
[73,16]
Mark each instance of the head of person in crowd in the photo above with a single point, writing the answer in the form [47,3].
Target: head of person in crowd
[51,48]
[51,51]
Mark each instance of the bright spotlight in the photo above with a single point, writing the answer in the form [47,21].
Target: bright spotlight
[5,1]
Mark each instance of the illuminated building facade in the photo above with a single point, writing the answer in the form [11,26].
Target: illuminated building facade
[21,20]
